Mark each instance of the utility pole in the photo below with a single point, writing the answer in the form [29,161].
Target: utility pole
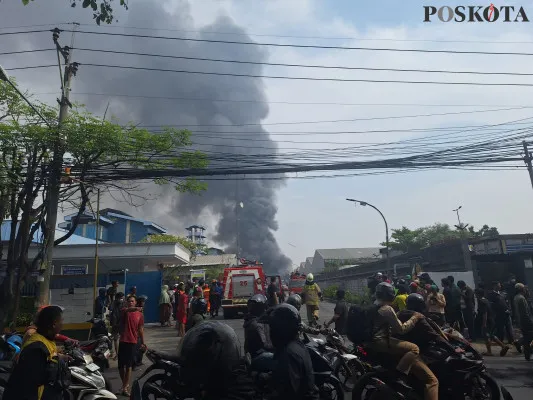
[97,238]
[54,175]
[527,160]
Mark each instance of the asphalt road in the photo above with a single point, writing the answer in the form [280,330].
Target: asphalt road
[511,371]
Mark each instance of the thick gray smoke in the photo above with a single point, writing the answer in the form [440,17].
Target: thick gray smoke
[257,219]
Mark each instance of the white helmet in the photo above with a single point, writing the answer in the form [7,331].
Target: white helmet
[310,277]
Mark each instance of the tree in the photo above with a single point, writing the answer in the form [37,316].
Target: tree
[484,232]
[165,238]
[94,147]
[102,9]
[405,239]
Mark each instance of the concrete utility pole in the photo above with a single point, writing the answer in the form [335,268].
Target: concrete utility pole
[527,160]
[54,176]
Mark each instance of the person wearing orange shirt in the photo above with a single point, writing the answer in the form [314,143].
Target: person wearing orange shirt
[207,292]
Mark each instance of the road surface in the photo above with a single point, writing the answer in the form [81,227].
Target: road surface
[512,371]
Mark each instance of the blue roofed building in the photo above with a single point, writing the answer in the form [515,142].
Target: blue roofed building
[115,226]
[38,237]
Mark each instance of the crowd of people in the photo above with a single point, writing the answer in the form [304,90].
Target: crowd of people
[188,303]
[487,312]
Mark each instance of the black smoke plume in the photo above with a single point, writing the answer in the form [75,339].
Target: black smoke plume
[257,217]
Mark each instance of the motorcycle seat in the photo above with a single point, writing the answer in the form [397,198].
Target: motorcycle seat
[166,357]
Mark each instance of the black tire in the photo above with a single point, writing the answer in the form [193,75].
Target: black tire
[331,389]
[157,379]
[489,391]
[349,373]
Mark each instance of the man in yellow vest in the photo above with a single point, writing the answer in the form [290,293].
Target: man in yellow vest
[312,295]
[38,361]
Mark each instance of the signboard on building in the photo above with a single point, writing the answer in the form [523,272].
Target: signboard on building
[519,246]
[198,274]
[74,270]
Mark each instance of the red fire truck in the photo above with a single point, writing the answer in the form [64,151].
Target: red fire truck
[296,283]
[240,283]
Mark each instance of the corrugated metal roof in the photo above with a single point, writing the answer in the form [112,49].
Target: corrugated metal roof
[222,259]
[349,253]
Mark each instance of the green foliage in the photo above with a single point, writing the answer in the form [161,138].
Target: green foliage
[102,9]
[405,239]
[91,147]
[165,238]
[24,319]
[330,293]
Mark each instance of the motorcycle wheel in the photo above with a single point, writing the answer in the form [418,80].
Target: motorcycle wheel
[367,389]
[148,393]
[483,387]
[159,380]
[331,389]
[349,373]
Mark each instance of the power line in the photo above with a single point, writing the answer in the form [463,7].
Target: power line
[24,51]
[301,78]
[316,66]
[216,100]
[289,77]
[247,34]
[24,32]
[303,45]
[349,120]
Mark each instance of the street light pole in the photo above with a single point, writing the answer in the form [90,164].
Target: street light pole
[458,217]
[364,203]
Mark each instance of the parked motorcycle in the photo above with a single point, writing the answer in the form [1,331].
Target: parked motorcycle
[10,346]
[329,386]
[346,366]
[163,385]
[100,346]
[87,381]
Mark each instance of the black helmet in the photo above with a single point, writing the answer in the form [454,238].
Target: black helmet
[295,300]
[198,306]
[385,292]
[415,302]
[213,341]
[257,305]
[284,322]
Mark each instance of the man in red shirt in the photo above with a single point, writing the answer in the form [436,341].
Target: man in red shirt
[131,328]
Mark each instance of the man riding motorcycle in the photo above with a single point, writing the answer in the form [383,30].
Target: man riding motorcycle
[386,322]
[293,375]
[423,333]
[198,311]
[257,335]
